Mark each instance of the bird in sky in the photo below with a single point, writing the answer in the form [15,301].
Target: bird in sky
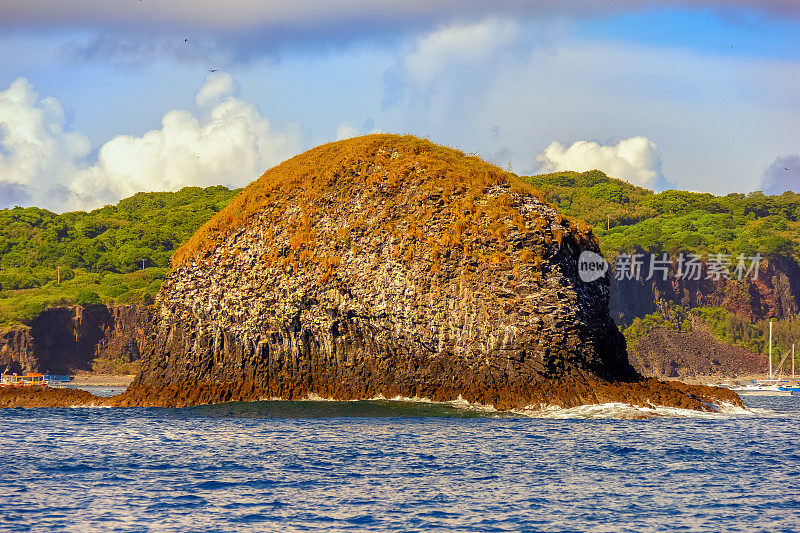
[212,70]
[186,40]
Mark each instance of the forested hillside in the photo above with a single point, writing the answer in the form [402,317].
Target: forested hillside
[628,218]
[117,253]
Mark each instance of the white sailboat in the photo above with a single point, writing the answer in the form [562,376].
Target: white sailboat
[766,387]
[762,387]
[791,386]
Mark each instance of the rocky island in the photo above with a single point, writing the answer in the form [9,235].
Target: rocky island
[388,266]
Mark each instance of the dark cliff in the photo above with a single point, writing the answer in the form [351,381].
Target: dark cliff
[775,293]
[389,266]
[64,339]
[16,350]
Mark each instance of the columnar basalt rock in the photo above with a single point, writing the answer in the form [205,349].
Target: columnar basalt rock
[388,266]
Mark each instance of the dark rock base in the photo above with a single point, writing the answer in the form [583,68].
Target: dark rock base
[47,397]
[649,392]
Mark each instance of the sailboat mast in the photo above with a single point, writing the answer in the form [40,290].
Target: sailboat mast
[770,349]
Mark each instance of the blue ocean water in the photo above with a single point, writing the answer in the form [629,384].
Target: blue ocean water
[398,466]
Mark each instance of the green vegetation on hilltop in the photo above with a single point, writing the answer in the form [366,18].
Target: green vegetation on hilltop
[146,227]
[675,221]
[85,288]
[98,255]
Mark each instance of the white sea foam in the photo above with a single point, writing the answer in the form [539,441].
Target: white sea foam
[461,403]
[458,403]
[617,410]
[612,410]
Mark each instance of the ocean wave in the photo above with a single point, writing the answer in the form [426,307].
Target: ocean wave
[458,403]
[626,411]
[415,406]
[611,410]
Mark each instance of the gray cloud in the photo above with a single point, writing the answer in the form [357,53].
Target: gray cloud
[239,30]
[13,194]
[782,175]
[215,47]
[242,14]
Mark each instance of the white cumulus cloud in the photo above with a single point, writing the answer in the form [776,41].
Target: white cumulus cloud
[636,160]
[230,144]
[459,44]
[217,86]
[36,151]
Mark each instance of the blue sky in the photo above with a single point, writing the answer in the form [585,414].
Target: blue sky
[104,99]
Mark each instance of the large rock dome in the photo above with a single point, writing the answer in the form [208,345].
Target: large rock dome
[387,266]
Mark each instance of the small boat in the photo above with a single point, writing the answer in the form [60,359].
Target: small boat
[761,387]
[768,387]
[57,380]
[31,379]
[789,386]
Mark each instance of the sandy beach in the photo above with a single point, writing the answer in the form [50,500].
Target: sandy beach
[102,380]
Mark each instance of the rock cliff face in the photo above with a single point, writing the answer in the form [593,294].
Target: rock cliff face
[685,355]
[63,339]
[775,293]
[16,350]
[388,266]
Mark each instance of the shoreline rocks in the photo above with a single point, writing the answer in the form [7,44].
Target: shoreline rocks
[645,393]
[11,397]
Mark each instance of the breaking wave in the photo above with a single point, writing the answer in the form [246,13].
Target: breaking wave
[380,407]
